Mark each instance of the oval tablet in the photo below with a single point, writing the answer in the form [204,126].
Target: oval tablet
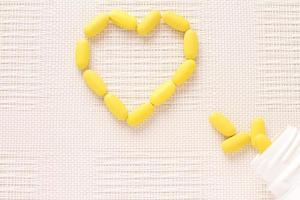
[190,44]
[95,82]
[222,124]
[184,72]
[176,21]
[262,142]
[149,23]
[82,54]
[236,143]
[140,114]
[97,25]
[257,127]
[115,106]
[123,19]
[162,93]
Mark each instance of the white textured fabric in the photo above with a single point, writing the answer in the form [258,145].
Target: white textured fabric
[59,142]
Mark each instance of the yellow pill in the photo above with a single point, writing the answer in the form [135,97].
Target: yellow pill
[82,54]
[257,128]
[176,21]
[94,82]
[262,142]
[140,114]
[115,106]
[162,93]
[190,44]
[149,23]
[236,143]
[123,19]
[97,25]
[222,124]
[184,72]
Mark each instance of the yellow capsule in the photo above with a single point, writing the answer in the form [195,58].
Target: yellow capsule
[262,142]
[94,82]
[162,93]
[97,25]
[140,114]
[190,44]
[236,143]
[82,54]
[222,124]
[115,106]
[149,23]
[176,21]
[257,128]
[123,19]
[184,72]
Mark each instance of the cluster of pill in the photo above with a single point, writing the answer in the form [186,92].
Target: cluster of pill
[163,92]
[256,136]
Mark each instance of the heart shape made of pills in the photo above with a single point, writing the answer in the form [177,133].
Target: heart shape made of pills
[164,91]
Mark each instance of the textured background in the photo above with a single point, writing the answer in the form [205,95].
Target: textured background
[59,142]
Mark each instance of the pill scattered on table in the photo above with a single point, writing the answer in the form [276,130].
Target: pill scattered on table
[94,82]
[262,142]
[148,23]
[116,106]
[82,54]
[97,25]
[176,21]
[222,124]
[236,142]
[162,93]
[184,72]
[190,44]
[123,19]
[140,114]
[257,128]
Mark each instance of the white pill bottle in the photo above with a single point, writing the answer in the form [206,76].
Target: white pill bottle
[279,165]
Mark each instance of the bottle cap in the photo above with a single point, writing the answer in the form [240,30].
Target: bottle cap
[279,165]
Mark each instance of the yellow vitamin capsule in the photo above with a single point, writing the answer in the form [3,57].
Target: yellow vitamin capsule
[184,72]
[257,128]
[222,124]
[123,19]
[236,143]
[190,44]
[95,82]
[140,114]
[97,25]
[176,21]
[262,142]
[149,23]
[162,93]
[82,54]
[115,106]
